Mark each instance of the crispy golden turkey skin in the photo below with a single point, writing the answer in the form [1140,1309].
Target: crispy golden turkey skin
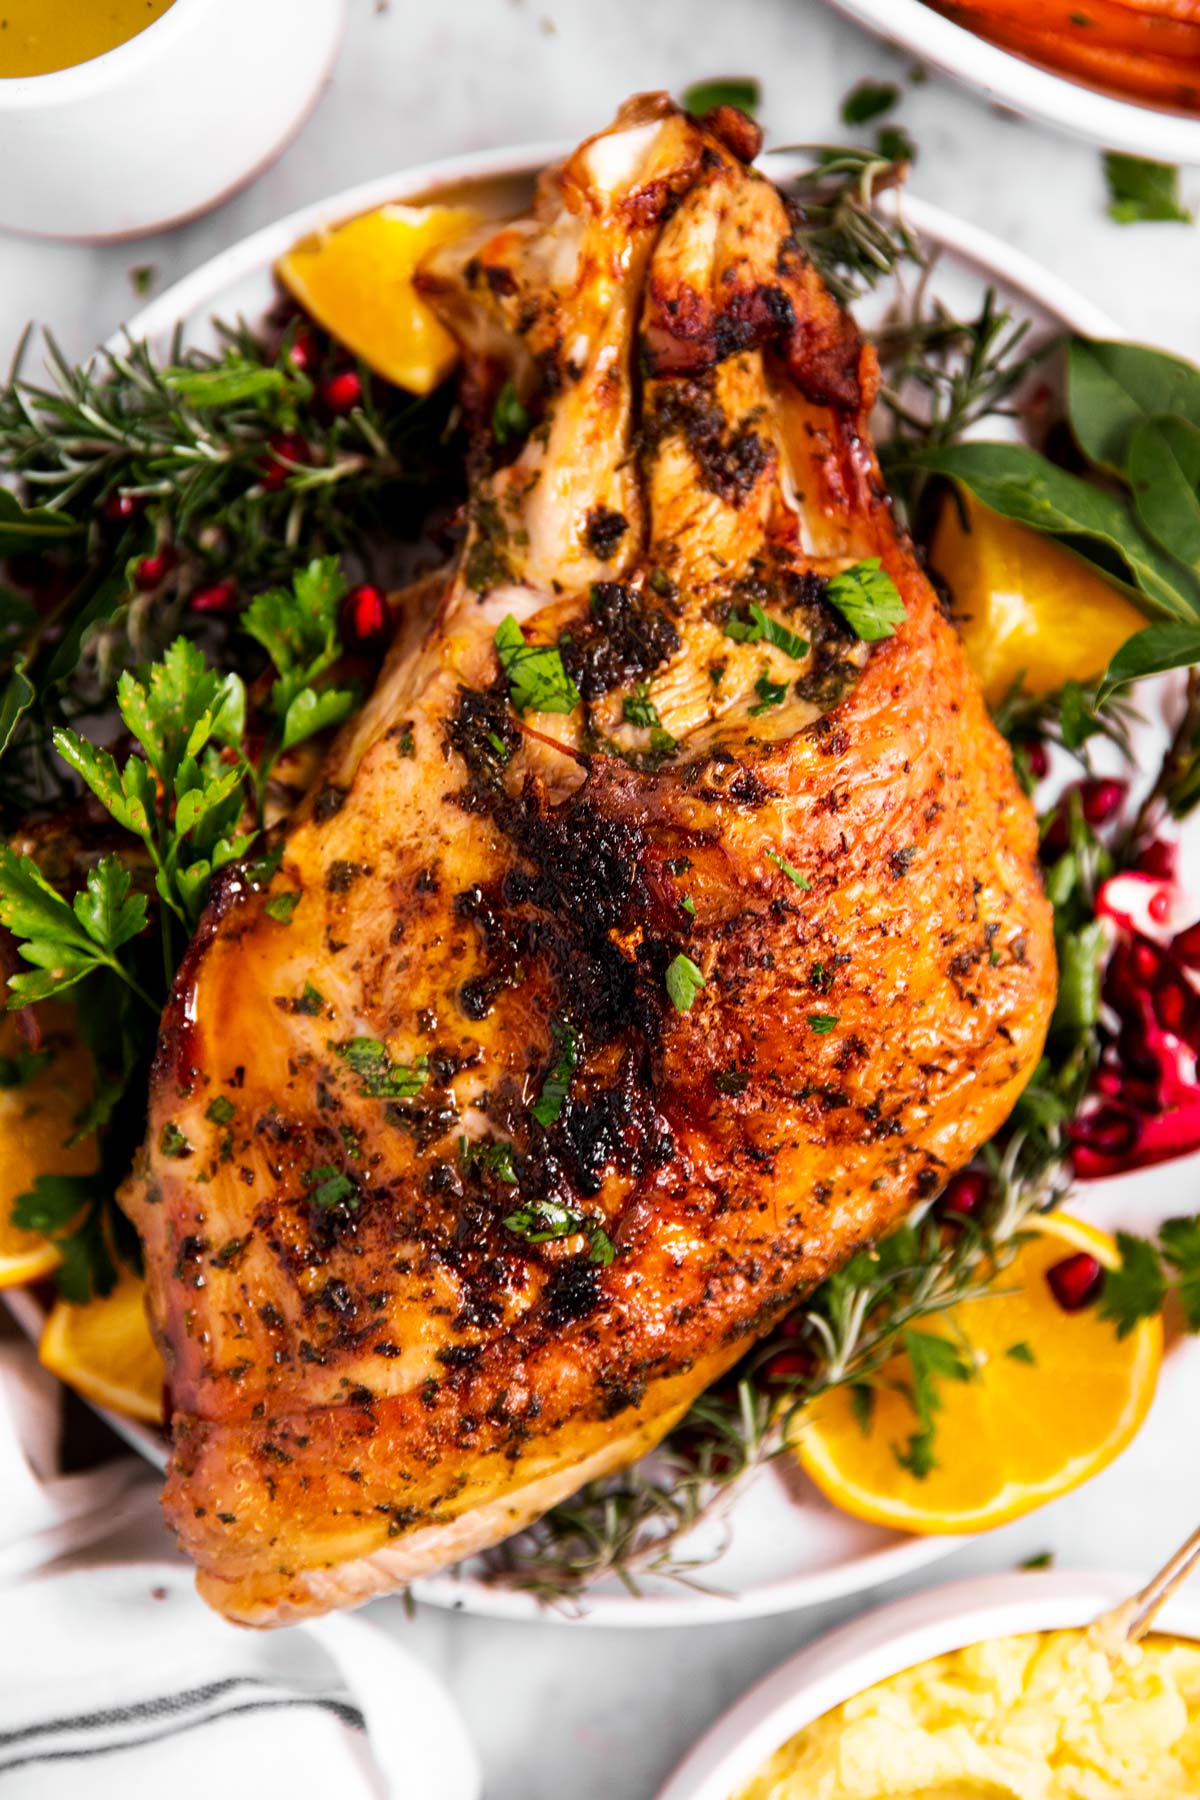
[372,1373]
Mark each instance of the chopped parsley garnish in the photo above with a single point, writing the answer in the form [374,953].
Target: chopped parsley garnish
[869,100]
[823,1023]
[280,907]
[791,873]
[868,600]
[543,1221]
[311,1001]
[770,693]
[496,1157]
[537,679]
[1137,1288]
[742,91]
[510,420]
[172,1142]
[731,1081]
[379,1077]
[221,1111]
[760,628]
[894,143]
[931,1360]
[1142,192]
[1021,1353]
[549,1104]
[639,709]
[684,981]
[688,905]
[329,1187]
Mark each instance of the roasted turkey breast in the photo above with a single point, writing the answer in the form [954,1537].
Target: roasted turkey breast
[627,988]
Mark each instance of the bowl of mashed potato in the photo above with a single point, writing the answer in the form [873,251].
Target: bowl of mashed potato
[980,1690]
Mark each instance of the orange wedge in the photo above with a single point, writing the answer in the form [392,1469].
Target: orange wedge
[37,1114]
[1025,606]
[104,1350]
[357,281]
[1053,1397]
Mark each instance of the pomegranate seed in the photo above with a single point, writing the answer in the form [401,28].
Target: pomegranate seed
[221,597]
[1185,948]
[341,393]
[1108,1082]
[1037,759]
[1106,1130]
[152,571]
[1075,1281]
[364,615]
[1159,859]
[965,1192]
[119,508]
[1159,907]
[1101,799]
[1146,959]
[304,352]
[272,474]
[1170,1003]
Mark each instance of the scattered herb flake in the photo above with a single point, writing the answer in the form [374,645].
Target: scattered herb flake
[510,420]
[548,1106]
[823,1023]
[869,100]
[760,628]
[280,907]
[792,874]
[770,693]
[329,1186]
[742,91]
[537,680]
[1143,192]
[221,1110]
[172,1142]
[868,600]
[684,982]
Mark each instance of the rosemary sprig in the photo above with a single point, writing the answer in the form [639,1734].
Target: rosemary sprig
[853,244]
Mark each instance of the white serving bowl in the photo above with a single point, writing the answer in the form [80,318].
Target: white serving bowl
[1036,93]
[887,1641]
[165,125]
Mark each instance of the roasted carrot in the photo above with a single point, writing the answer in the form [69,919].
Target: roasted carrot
[1164,80]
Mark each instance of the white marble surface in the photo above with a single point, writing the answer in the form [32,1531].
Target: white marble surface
[602,1715]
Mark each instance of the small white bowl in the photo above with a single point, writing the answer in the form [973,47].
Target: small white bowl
[1036,93]
[165,125]
[888,1640]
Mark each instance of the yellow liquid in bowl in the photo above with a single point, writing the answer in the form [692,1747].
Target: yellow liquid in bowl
[39,36]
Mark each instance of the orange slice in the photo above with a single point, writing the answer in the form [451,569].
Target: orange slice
[104,1350]
[1025,606]
[357,281]
[37,1114]
[1053,1397]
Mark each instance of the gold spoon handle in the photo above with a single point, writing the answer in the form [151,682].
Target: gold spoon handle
[1125,1624]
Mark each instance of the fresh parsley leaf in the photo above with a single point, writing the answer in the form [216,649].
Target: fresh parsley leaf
[869,100]
[602,1250]
[1137,1288]
[1180,1241]
[868,600]
[548,1106]
[510,421]
[32,528]
[66,943]
[761,628]
[688,905]
[684,982]
[379,1077]
[299,632]
[792,874]
[545,1221]
[1021,1353]
[742,91]
[1140,191]
[931,1359]
[537,679]
[770,693]
[52,1203]
[823,1023]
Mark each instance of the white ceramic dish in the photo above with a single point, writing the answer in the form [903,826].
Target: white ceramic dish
[166,124]
[1037,93]
[886,1641]
[786,1546]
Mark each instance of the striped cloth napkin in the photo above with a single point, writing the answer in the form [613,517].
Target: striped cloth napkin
[115,1680]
